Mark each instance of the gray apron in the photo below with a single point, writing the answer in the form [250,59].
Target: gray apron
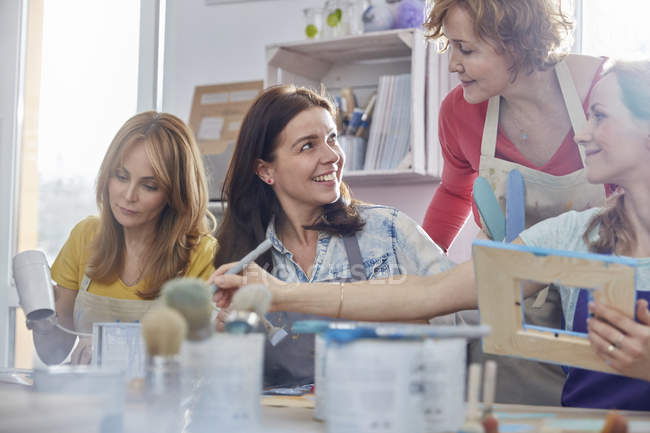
[291,362]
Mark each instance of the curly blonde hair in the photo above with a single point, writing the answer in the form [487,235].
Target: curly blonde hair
[537,33]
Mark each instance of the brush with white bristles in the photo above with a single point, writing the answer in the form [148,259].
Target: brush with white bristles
[192,298]
[163,330]
[255,298]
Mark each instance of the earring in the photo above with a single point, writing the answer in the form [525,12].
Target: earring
[269,181]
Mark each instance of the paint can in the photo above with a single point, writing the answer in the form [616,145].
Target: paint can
[105,387]
[395,377]
[222,377]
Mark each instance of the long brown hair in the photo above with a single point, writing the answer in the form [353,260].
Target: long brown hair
[178,169]
[615,231]
[251,202]
[536,32]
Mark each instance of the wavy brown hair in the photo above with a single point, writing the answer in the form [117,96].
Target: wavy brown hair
[178,170]
[537,33]
[251,202]
[615,232]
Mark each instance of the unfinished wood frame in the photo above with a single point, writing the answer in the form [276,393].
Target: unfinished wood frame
[500,268]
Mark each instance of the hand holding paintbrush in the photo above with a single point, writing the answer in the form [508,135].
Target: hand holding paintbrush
[263,247]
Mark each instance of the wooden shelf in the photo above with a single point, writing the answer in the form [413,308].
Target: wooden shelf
[314,58]
[386,177]
[358,62]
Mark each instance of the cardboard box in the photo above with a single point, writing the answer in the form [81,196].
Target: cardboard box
[216,116]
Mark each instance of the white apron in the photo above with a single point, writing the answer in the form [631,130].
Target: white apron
[90,308]
[546,195]
[522,381]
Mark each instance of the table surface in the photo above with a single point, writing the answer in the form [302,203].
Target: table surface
[22,411]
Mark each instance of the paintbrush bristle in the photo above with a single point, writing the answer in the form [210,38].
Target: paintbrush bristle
[164,330]
[193,300]
[254,297]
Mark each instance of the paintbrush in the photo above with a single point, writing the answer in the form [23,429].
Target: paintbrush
[489,387]
[472,424]
[263,247]
[255,298]
[163,330]
[192,298]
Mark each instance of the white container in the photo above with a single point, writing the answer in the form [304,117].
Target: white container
[375,385]
[119,345]
[103,386]
[223,380]
[444,384]
[392,377]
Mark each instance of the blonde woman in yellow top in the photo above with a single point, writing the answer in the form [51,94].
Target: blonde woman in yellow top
[153,225]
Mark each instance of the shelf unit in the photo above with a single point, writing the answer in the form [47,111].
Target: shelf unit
[358,62]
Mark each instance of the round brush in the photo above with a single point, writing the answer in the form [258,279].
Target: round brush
[193,300]
[163,330]
[255,298]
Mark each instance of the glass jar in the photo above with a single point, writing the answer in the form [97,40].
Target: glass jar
[335,18]
[313,22]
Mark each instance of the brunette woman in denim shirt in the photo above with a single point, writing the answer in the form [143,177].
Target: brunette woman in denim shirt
[284,183]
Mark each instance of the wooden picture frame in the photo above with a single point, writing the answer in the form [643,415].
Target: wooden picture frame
[500,268]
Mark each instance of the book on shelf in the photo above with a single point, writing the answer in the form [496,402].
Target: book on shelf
[390,130]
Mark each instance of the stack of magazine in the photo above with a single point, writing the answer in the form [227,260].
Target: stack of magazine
[390,130]
[404,130]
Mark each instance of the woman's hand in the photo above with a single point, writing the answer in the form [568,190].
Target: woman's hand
[82,353]
[221,319]
[228,284]
[620,341]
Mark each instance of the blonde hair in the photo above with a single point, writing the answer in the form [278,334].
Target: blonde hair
[178,169]
[615,232]
[536,32]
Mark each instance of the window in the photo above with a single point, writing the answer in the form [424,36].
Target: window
[86,66]
[615,29]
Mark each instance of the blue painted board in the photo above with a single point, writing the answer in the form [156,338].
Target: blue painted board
[489,208]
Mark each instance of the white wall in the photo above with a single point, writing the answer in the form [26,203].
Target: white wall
[225,43]
[222,43]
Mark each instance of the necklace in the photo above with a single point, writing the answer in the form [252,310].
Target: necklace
[523,135]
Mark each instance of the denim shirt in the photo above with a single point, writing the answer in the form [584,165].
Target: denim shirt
[391,243]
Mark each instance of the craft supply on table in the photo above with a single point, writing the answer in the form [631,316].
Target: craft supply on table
[489,387]
[104,384]
[163,330]
[254,298]
[119,345]
[17,376]
[223,375]
[404,365]
[472,422]
[192,298]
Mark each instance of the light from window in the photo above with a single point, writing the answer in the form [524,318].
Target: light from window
[616,29]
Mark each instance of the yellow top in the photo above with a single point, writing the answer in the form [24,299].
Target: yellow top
[69,267]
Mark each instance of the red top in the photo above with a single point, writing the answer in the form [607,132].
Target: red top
[460,127]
